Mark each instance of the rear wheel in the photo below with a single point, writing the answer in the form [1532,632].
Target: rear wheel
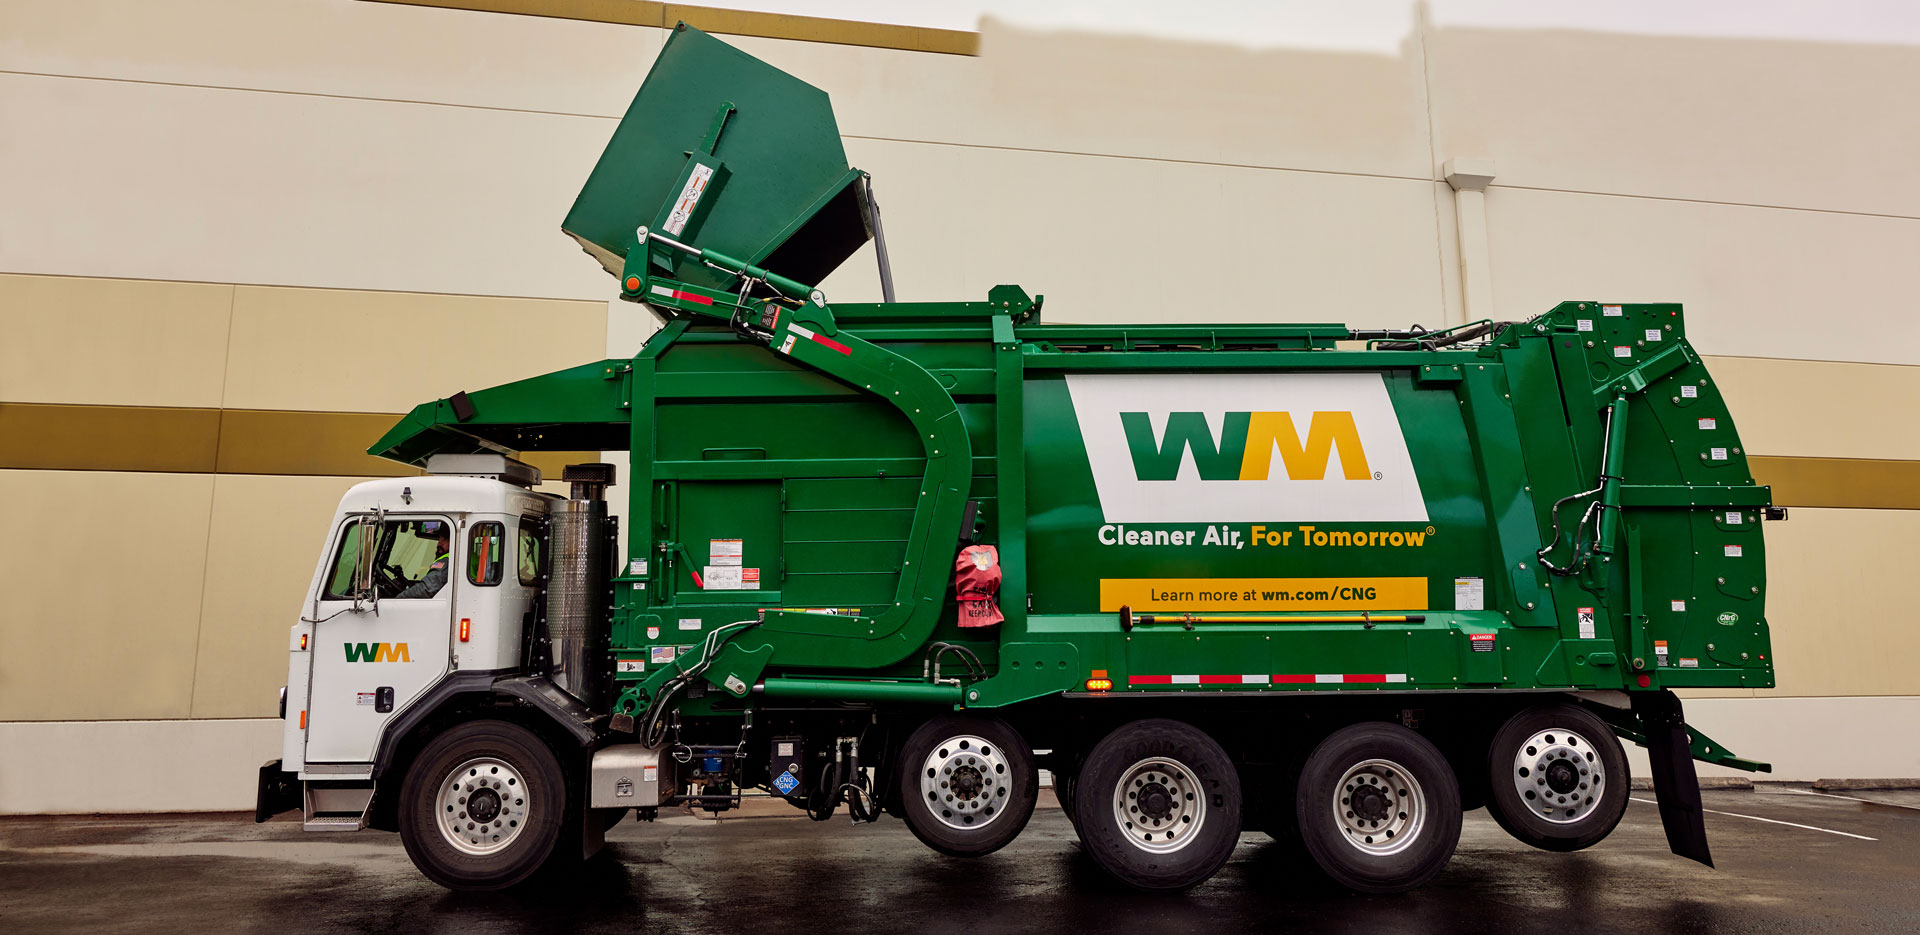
[1378,808]
[1157,804]
[967,784]
[1063,788]
[1557,778]
[482,807]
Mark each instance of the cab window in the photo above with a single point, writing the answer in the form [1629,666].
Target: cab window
[409,559]
[529,557]
[485,543]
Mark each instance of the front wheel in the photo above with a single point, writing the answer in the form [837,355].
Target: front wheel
[1378,808]
[1557,778]
[967,784]
[482,807]
[1157,804]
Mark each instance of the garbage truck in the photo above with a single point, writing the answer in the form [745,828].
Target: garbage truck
[1331,584]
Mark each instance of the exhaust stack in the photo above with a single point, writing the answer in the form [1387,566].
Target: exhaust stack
[578,599]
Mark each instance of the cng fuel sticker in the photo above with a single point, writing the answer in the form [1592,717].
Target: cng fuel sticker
[1216,594]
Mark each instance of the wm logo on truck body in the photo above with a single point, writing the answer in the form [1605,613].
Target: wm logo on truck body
[1246,444]
[376,652]
[1245,447]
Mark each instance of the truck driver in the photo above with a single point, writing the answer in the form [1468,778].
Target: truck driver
[436,576]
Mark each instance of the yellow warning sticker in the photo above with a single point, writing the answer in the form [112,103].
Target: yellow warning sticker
[1280,594]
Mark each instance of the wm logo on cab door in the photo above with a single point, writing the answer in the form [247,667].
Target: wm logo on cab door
[1245,447]
[377,652]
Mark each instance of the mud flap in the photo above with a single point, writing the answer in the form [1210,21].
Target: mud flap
[1675,784]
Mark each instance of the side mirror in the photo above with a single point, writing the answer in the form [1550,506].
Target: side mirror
[364,586]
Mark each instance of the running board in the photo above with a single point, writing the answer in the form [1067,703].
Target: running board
[336,805]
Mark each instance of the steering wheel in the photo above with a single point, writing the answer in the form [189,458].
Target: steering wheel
[389,580]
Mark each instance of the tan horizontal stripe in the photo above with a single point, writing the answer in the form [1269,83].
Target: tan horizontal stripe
[730,22]
[159,439]
[48,436]
[1846,483]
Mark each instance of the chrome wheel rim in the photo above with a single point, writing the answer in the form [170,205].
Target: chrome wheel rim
[964,782]
[1159,804]
[1379,807]
[482,806]
[1558,775]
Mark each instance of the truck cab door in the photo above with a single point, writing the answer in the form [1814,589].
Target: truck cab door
[371,658]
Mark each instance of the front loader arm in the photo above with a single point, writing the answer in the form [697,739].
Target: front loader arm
[800,326]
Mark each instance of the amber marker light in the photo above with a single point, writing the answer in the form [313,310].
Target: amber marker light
[303,642]
[466,628]
[1099,681]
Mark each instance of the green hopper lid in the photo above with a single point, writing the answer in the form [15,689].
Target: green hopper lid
[781,195]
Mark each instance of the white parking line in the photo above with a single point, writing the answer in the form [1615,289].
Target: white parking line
[1829,795]
[1771,821]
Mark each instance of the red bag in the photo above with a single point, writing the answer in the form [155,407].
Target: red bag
[976,584]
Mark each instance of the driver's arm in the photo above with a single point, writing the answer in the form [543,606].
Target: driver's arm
[429,585]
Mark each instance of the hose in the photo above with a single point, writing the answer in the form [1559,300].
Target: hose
[653,727]
[1553,513]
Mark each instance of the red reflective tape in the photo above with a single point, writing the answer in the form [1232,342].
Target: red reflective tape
[1149,680]
[690,297]
[1364,678]
[1220,680]
[1293,679]
[842,348]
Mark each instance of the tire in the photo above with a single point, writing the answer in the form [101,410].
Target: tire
[1403,826]
[1063,788]
[1157,805]
[966,784]
[489,770]
[1557,778]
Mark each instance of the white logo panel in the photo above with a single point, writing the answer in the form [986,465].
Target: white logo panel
[1389,491]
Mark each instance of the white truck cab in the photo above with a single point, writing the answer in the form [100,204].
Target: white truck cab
[420,579]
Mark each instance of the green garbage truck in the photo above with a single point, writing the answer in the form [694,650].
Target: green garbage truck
[1330,584]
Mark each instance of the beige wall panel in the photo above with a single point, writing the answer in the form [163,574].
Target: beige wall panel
[1833,582]
[66,767]
[159,182]
[1350,112]
[116,563]
[1810,408]
[1804,124]
[1806,738]
[339,47]
[112,342]
[1134,240]
[267,533]
[1756,282]
[1070,92]
[348,351]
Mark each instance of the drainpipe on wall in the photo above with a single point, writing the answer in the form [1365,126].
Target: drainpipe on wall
[1469,177]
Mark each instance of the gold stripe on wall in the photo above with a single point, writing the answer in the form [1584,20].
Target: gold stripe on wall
[44,436]
[1840,483]
[730,22]
[48,436]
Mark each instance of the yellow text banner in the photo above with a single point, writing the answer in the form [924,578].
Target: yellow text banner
[1264,594]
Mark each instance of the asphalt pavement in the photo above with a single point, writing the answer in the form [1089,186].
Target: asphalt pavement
[1788,860]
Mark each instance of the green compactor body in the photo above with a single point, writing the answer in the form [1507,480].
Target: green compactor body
[1268,530]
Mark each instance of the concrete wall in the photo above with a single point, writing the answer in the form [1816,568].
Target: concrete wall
[229,258]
